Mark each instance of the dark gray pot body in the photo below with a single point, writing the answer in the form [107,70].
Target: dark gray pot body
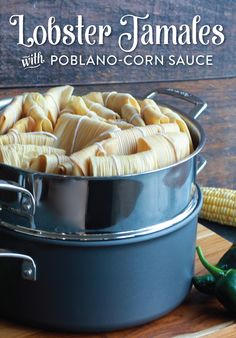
[99,286]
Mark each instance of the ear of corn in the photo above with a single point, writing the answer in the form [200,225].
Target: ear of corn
[219,205]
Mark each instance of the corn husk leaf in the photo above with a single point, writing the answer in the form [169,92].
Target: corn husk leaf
[24,125]
[76,132]
[11,114]
[161,146]
[35,106]
[101,111]
[131,115]
[181,144]
[77,106]
[65,168]
[94,97]
[125,141]
[81,159]
[174,117]
[27,138]
[19,155]
[47,163]
[56,99]
[169,128]
[121,124]
[116,101]
[117,165]
[151,113]
[170,147]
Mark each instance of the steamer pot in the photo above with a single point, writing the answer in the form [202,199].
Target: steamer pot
[107,207]
[96,285]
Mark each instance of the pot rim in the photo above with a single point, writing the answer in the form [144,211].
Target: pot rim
[105,178]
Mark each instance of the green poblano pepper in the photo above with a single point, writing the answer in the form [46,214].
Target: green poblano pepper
[206,283]
[224,285]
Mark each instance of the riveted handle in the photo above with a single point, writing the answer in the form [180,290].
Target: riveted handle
[29,206]
[28,267]
[199,105]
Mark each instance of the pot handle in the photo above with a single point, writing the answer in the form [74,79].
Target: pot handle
[5,102]
[29,205]
[199,105]
[201,162]
[28,267]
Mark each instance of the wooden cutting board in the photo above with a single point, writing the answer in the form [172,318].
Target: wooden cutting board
[199,316]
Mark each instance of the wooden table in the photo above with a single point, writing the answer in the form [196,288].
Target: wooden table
[199,315]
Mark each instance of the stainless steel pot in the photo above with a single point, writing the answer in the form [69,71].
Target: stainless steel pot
[77,285]
[94,208]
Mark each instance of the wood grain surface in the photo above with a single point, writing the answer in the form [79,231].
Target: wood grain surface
[103,12]
[199,315]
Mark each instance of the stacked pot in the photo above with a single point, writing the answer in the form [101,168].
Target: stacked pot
[97,254]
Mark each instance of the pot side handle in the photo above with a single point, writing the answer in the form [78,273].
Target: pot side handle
[199,105]
[12,186]
[5,102]
[28,268]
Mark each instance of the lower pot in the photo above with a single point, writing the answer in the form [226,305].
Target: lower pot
[98,285]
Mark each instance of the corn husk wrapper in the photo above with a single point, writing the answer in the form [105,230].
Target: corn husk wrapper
[76,132]
[77,106]
[151,113]
[120,143]
[94,97]
[24,125]
[125,142]
[35,106]
[65,168]
[161,146]
[19,155]
[170,147]
[11,114]
[47,163]
[26,138]
[131,115]
[101,111]
[123,164]
[56,99]
[44,125]
[181,144]
[169,128]
[116,101]
[174,117]
[121,124]
[81,158]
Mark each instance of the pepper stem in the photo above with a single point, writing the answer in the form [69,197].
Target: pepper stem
[216,272]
